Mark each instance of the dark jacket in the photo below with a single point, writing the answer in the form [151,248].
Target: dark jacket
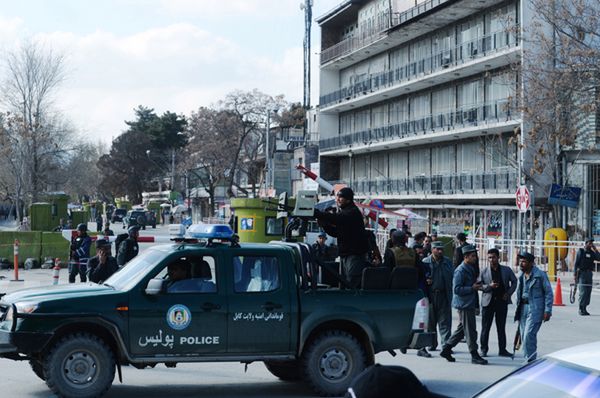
[458,257]
[441,273]
[99,273]
[128,249]
[80,248]
[465,296]
[349,228]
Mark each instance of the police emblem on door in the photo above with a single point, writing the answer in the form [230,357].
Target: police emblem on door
[179,317]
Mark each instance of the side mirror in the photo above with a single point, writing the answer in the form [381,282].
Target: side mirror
[154,287]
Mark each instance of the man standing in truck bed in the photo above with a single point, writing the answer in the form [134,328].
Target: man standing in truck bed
[348,227]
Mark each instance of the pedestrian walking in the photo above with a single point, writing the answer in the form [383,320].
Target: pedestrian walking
[102,265]
[584,268]
[80,254]
[465,288]
[348,226]
[440,274]
[499,283]
[128,248]
[534,303]
[98,221]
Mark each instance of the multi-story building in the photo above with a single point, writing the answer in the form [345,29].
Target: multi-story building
[417,107]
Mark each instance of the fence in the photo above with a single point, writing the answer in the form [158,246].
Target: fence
[510,248]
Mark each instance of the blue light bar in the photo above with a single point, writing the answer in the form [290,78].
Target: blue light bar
[209,231]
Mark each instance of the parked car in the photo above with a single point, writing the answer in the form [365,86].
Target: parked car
[151,218]
[135,217]
[572,372]
[117,215]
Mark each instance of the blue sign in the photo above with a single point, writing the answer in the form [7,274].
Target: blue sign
[564,196]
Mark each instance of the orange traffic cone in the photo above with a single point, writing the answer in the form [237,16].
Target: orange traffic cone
[558,295]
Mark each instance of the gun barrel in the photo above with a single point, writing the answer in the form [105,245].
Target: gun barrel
[322,183]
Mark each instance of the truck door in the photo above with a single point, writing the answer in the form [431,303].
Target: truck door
[188,317]
[259,306]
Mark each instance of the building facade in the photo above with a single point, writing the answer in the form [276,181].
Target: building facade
[417,107]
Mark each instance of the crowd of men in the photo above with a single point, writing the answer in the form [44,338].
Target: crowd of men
[454,283]
[103,265]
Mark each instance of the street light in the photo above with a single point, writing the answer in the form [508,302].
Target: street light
[268,166]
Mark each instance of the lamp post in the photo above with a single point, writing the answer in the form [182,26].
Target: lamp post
[268,160]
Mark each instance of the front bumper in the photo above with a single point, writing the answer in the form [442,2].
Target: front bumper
[22,342]
[421,339]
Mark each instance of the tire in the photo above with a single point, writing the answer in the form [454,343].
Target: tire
[38,368]
[285,370]
[80,365]
[332,361]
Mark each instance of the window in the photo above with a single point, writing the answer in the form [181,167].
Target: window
[255,274]
[274,226]
[189,275]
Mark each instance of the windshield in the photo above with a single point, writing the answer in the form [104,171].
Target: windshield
[136,269]
[548,379]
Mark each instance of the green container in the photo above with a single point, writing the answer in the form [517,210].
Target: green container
[255,223]
[123,204]
[80,217]
[41,217]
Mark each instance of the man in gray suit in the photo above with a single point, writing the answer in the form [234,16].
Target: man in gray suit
[499,283]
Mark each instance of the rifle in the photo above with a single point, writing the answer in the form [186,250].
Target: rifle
[516,341]
[573,292]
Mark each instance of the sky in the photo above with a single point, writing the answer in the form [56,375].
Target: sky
[170,55]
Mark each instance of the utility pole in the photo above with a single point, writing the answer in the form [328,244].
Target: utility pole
[307,7]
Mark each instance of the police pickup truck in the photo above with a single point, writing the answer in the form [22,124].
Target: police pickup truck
[207,298]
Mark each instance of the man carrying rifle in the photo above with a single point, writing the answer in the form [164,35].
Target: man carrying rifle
[348,226]
[534,303]
[584,266]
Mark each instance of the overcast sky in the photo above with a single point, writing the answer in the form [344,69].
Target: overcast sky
[174,55]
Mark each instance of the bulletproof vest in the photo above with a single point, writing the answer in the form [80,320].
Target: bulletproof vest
[404,256]
[587,260]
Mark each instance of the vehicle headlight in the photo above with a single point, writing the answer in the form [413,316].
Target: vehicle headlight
[22,308]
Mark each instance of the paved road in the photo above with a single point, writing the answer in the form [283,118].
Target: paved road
[225,380]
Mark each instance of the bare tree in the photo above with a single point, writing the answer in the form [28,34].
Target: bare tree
[559,73]
[210,149]
[250,112]
[33,76]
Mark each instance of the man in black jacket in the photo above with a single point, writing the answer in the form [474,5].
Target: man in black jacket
[103,265]
[348,227]
[129,248]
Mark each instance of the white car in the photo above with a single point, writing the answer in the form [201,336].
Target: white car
[572,372]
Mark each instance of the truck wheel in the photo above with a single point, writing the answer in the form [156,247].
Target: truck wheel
[332,361]
[37,368]
[80,365]
[285,370]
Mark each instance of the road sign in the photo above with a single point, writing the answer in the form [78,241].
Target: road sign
[523,199]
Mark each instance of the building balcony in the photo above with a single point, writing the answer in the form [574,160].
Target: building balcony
[417,21]
[502,183]
[467,59]
[494,117]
